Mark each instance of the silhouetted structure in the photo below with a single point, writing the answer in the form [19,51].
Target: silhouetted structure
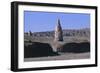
[30,33]
[58,32]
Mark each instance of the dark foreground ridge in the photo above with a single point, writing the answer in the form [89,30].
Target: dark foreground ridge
[76,47]
[37,49]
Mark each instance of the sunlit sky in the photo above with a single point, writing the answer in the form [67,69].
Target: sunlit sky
[46,21]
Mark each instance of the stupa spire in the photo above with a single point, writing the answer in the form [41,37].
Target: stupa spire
[58,31]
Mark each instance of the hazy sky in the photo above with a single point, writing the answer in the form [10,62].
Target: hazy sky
[46,21]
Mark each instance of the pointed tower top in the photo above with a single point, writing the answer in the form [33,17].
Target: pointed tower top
[58,25]
[58,22]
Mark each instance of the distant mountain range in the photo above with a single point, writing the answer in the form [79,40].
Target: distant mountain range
[66,32]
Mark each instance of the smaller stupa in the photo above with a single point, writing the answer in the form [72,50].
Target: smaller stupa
[30,33]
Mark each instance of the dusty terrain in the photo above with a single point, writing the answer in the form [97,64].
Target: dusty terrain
[82,52]
[40,46]
[65,56]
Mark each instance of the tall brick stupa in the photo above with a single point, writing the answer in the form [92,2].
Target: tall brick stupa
[58,32]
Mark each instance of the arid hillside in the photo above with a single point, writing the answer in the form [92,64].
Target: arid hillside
[66,32]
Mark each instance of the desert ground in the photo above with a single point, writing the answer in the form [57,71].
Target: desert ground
[65,56]
[74,48]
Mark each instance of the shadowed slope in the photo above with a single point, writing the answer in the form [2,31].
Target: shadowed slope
[76,47]
[36,49]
